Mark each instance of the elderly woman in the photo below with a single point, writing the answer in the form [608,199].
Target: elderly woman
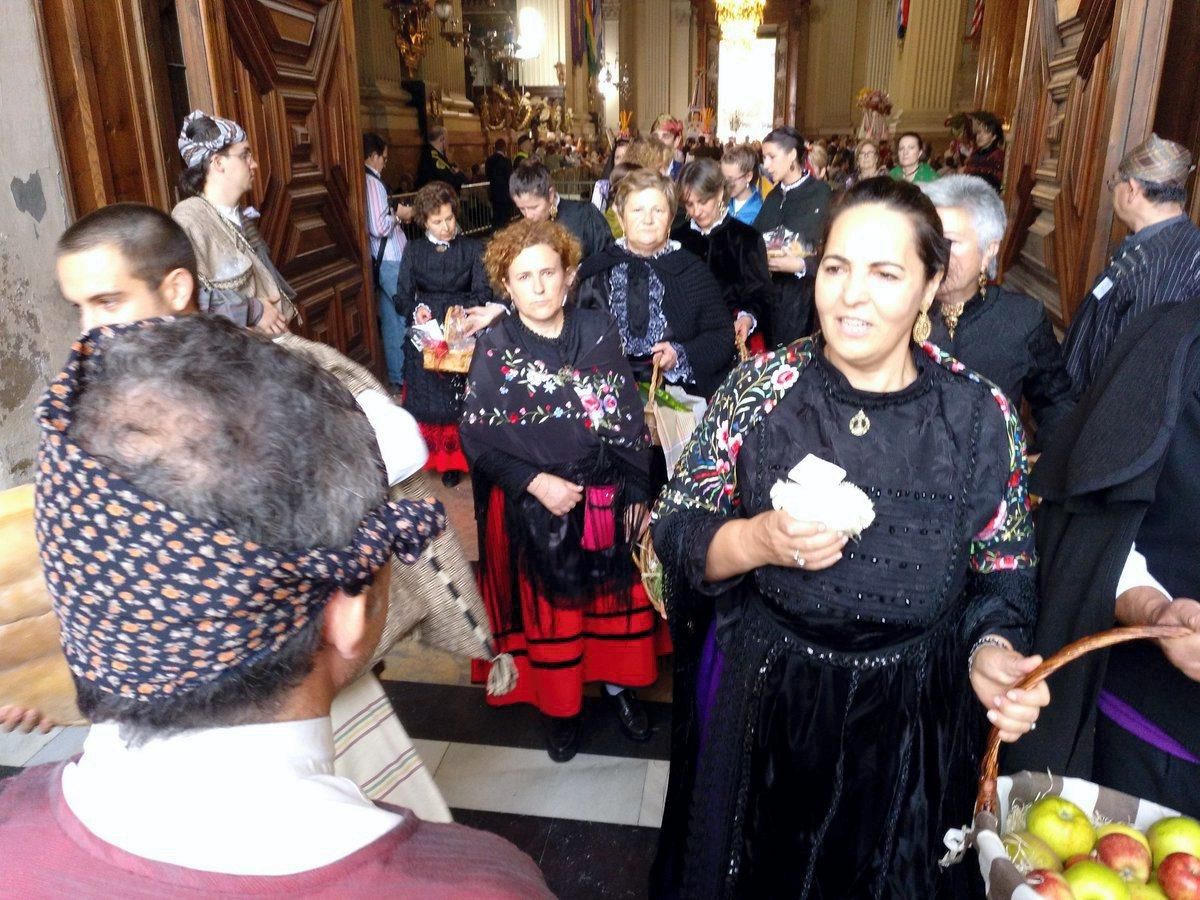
[987,159]
[867,161]
[910,152]
[734,251]
[797,205]
[553,426]
[1003,335]
[442,270]
[842,691]
[667,304]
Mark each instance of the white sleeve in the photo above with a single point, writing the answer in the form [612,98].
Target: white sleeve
[1136,574]
[400,442]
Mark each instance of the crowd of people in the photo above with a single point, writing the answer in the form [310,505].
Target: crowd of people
[217,536]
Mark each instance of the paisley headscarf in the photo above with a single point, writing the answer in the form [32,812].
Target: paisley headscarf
[194,151]
[153,602]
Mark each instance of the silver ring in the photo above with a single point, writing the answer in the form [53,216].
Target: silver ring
[798,558]
[1033,726]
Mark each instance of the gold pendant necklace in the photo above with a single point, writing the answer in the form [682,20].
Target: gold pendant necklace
[950,314]
[860,424]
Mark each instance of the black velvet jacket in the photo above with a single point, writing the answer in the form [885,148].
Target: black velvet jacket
[737,257]
[1007,338]
[587,224]
[692,306]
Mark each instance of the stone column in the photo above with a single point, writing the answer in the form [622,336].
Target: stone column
[682,59]
[444,69]
[556,48]
[612,56]
[923,75]
[384,105]
[652,52]
[829,82]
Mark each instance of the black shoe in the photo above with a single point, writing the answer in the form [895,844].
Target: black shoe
[632,715]
[451,479]
[562,737]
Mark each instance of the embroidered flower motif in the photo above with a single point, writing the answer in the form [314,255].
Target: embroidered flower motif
[784,377]
[997,521]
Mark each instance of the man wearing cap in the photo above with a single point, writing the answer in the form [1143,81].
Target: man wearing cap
[1158,263]
[209,612]
[435,165]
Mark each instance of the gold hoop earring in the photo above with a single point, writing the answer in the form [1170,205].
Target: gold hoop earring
[922,327]
[983,281]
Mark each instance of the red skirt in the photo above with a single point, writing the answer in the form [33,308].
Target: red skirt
[559,650]
[445,449]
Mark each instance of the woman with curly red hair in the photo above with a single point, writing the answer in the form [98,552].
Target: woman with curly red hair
[554,428]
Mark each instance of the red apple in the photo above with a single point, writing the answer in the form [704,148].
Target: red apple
[1126,856]
[1047,883]
[1090,880]
[1179,876]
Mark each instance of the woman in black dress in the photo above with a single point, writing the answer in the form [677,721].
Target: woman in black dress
[797,205]
[832,729]
[734,251]
[1003,335]
[554,428]
[444,269]
[667,305]
[987,159]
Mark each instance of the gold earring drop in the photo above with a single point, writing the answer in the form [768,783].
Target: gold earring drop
[983,282]
[922,327]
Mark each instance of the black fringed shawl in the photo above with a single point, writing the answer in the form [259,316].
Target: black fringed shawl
[568,406]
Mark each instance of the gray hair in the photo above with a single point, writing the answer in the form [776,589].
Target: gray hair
[979,200]
[228,427]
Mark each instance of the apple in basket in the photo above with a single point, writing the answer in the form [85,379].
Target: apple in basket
[1047,883]
[1126,855]
[1149,891]
[1029,853]
[1091,880]
[1179,875]
[1064,827]
[1174,834]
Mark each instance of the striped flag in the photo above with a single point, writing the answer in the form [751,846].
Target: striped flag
[976,20]
[901,18]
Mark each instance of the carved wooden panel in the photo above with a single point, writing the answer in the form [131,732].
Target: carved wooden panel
[1089,74]
[108,77]
[286,70]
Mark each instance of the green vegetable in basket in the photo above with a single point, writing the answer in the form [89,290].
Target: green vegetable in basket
[664,399]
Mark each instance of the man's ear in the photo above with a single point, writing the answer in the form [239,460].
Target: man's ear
[345,623]
[178,288]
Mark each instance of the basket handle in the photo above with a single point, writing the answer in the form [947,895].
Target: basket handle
[989,769]
[742,349]
[655,381]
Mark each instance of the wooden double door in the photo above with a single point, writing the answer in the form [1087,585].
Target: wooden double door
[124,73]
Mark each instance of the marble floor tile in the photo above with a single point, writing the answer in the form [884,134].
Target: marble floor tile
[654,795]
[431,753]
[65,745]
[528,782]
[17,749]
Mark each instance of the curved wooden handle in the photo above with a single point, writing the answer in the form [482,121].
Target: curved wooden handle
[655,381]
[990,767]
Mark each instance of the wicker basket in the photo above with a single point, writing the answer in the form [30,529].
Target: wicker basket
[1001,877]
[652,406]
[650,569]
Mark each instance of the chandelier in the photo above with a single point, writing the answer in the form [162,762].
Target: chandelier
[739,20]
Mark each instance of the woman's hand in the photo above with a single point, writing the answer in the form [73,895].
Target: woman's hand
[421,315]
[785,541]
[994,671]
[478,318]
[665,356]
[271,322]
[786,263]
[558,495]
[742,327]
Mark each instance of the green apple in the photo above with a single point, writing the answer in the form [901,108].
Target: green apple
[1175,834]
[1149,891]
[1091,880]
[1028,852]
[1063,826]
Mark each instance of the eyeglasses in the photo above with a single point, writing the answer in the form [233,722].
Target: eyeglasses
[245,156]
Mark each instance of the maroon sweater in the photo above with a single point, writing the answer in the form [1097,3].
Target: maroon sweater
[45,852]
